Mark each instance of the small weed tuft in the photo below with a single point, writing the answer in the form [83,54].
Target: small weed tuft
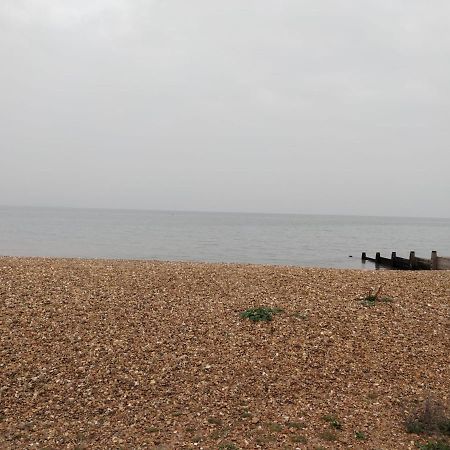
[333,421]
[219,434]
[214,421]
[336,424]
[276,427]
[430,417]
[374,297]
[228,446]
[299,439]
[328,418]
[360,435]
[261,314]
[435,446]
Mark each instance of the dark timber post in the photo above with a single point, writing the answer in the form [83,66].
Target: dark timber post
[412,261]
[393,259]
[434,261]
[377,257]
[363,256]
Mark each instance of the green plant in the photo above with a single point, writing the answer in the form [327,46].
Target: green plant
[444,426]
[264,439]
[430,417]
[375,296]
[336,424]
[414,426]
[220,433]
[360,435]
[299,439]
[214,421]
[261,314]
[274,427]
[435,446]
[332,421]
[328,417]
[228,446]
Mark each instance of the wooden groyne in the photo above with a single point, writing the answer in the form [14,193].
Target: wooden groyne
[412,263]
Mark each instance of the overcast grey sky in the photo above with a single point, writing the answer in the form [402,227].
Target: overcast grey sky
[306,106]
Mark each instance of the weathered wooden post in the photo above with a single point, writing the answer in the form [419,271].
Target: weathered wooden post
[363,256]
[434,260]
[377,258]
[394,259]
[412,261]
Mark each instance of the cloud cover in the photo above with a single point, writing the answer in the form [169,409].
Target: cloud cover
[318,106]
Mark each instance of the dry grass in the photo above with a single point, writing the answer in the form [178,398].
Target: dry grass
[129,354]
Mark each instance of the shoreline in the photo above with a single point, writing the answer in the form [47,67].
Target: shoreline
[151,354]
[193,262]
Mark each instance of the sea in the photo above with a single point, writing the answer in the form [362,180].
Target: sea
[278,239]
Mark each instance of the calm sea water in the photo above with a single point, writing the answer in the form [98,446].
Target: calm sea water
[301,240]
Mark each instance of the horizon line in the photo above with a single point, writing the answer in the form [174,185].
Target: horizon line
[97,208]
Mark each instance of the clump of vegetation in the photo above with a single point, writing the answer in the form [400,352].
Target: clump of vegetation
[333,422]
[299,439]
[360,435]
[220,433]
[374,297]
[276,427]
[228,446]
[336,424]
[214,421]
[297,425]
[435,446]
[264,439]
[430,417]
[261,314]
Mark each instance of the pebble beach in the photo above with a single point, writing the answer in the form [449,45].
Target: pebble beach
[155,355]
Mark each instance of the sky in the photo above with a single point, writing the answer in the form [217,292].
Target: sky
[302,106]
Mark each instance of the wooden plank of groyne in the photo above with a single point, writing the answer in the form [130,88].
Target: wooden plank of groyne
[423,263]
[402,263]
[443,263]
[412,263]
[412,260]
[434,263]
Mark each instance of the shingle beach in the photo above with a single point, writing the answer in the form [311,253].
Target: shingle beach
[136,354]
